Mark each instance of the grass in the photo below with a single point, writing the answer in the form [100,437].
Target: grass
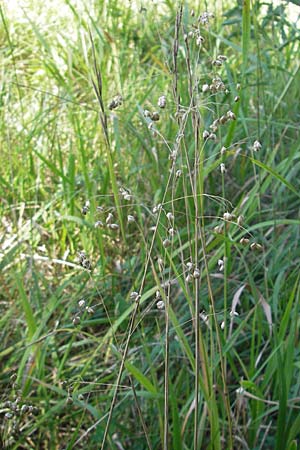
[150,275]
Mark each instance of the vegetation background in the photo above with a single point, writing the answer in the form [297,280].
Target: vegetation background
[149,268]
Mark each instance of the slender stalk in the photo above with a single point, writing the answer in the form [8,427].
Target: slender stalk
[198,205]
[166,376]
[132,322]
[218,338]
[98,85]
[120,373]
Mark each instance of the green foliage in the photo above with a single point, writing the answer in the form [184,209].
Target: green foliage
[150,276]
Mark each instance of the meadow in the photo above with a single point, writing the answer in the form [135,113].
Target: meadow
[149,232]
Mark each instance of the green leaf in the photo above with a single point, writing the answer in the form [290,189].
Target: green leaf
[30,321]
[276,175]
[52,167]
[141,378]
[177,441]
[292,446]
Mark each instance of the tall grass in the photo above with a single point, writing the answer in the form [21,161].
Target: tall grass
[149,226]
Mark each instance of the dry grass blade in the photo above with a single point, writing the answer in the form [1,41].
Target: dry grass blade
[98,90]
[235,302]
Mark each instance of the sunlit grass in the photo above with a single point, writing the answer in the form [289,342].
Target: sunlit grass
[150,281]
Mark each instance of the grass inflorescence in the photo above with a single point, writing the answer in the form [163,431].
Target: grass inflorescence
[149,225]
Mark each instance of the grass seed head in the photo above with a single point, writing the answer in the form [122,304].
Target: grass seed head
[130,218]
[221,265]
[240,220]
[115,102]
[227,216]
[203,317]
[244,241]
[160,304]
[81,303]
[162,101]
[255,246]
[223,120]
[160,263]
[189,266]
[170,216]
[76,320]
[217,62]
[113,226]
[109,218]
[199,41]
[155,116]
[86,208]
[86,264]
[189,278]
[205,134]
[205,18]
[98,224]
[218,229]
[156,208]
[171,231]
[222,168]
[196,273]
[166,243]
[135,296]
[256,146]
[231,115]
